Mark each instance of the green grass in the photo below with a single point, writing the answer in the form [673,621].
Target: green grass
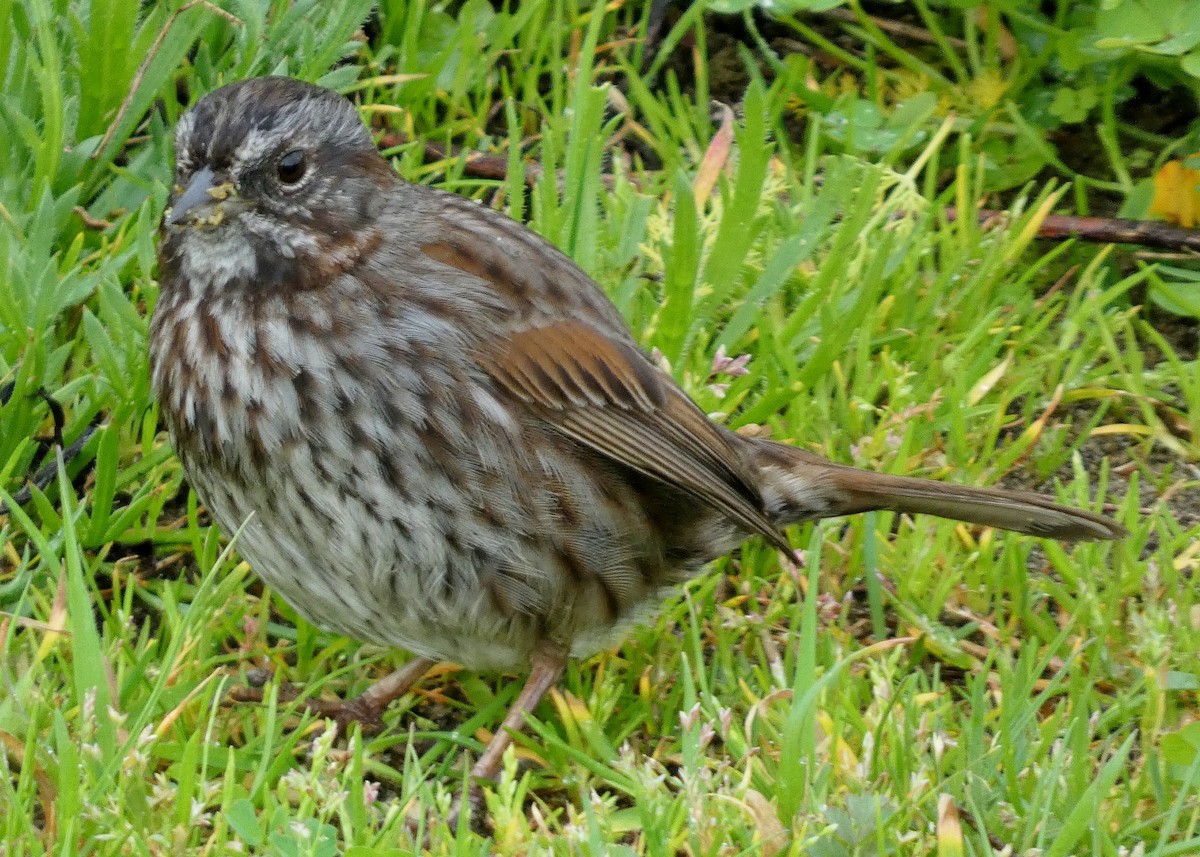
[904,687]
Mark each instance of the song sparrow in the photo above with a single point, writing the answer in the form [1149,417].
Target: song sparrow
[438,431]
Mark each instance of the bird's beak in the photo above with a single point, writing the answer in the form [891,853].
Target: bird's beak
[201,190]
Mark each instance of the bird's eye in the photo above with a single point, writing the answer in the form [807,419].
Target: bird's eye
[292,167]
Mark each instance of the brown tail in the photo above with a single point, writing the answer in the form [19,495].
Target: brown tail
[800,486]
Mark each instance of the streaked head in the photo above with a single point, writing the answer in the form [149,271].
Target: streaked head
[268,168]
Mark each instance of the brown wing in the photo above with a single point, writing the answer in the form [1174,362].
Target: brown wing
[607,396]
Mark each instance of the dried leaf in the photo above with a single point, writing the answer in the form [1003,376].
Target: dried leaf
[949,829]
[1177,194]
[715,157]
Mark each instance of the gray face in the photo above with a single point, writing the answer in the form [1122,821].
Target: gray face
[267,172]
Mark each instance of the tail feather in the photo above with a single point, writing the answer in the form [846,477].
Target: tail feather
[995,507]
[801,486]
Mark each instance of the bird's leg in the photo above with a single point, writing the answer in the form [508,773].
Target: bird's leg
[547,666]
[366,708]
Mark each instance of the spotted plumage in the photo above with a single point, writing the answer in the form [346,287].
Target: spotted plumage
[432,429]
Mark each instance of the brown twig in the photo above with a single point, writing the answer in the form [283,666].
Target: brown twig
[1061,282]
[97,224]
[1106,230]
[895,28]
[480,164]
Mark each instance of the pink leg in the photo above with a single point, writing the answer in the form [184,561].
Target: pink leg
[363,709]
[368,706]
[392,686]
[546,670]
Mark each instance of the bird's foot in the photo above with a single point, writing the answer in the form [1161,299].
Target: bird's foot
[344,713]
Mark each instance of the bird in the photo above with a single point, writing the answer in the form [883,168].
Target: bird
[433,431]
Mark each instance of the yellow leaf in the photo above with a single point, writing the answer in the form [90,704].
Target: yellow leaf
[985,384]
[949,829]
[1121,428]
[1177,194]
[843,757]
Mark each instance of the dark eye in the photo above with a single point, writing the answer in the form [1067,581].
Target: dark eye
[292,167]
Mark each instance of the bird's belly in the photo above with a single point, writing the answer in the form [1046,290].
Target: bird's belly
[404,580]
[457,547]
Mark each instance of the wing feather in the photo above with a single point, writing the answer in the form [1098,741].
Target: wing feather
[607,396]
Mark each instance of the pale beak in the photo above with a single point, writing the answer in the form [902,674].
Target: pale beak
[201,190]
